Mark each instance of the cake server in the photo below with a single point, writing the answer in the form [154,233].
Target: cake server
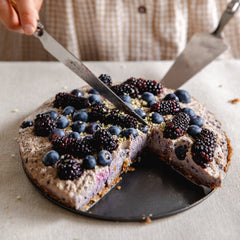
[202,49]
[74,64]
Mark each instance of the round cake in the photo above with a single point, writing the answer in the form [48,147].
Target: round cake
[76,145]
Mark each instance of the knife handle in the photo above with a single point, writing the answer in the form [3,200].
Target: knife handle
[40,27]
[229,12]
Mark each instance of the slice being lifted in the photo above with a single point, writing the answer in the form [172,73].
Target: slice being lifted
[76,145]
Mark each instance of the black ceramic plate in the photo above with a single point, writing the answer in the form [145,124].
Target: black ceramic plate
[153,190]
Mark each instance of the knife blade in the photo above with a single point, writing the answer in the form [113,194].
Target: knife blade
[202,49]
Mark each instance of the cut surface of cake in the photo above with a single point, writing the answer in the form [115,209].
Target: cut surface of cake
[76,145]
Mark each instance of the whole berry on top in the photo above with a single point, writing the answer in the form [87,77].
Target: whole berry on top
[43,125]
[106,79]
[166,107]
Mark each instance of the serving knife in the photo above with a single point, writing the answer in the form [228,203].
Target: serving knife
[74,64]
[202,49]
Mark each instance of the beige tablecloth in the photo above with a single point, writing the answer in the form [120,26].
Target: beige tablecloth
[26,214]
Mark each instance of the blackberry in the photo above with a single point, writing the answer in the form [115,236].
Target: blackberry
[104,140]
[124,88]
[43,125]
[106,79]
[63,100]
[98,112]
[139,83]
[166,107]
[203,148]
[129,122]
[76,147]
[177,126]
[68,168]
[153,87]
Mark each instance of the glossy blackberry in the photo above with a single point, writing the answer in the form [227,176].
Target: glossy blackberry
[68,168]
[203,148]
[166,107]
[98,112]
[106,79]
[177,126]
[153,87]
[66,99]
[43,125]
[76,147]
[103,139]
[139,83]
[129,122]
[124,88]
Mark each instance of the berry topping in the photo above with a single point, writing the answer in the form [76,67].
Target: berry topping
[74,135]
[106,79]
[77,92]
[93,127]
[124,88]
[99,112]
[148,97]
[177,126]
[68,168]
[129,132]
[171,96]
[79,126]
[143,128]
[26,124]
[166,107]
[66,99]
[181,152]
[197,120]
[89,162]
[104,158]
[141,113]
[125,98]
[103,139]
[183,96]
[93,91]
[189,111]
[62,122]
[114,130]
[43,125]
[82,115]
[51,158]
[157,118]
[193,130]
[52,114]
[56,133]
[203,148]
[68,110]
[94,99]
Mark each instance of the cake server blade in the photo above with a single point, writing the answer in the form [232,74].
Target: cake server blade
[202,49]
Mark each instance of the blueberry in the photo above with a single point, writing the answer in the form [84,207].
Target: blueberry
[68,110]
[157,118]
[171,96]
[89,162]
[50,158]
[129,131]
[148,97]
[74,135]
[81,115]
[183,96]
[143,128]
[93,91]
[94,99]
[181,152]
[104,158]
[193,130]
[56,132]
[79,126]
[52,114]
[77,92]
[189,111]
[114,130]
[93,127]
[197,120]
[62,122]
[129,104]
[141,113]
[26,124]
[151,103]
[126,98]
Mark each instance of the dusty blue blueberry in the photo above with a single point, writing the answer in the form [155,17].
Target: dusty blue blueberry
[189,111]
[148,97]
[79,126]
[93,91]
[62,122]
[143,128]
[183,95]
[68,110]
[74,135]
[171,96]
[157,118]
[56,132]
[81,115]
[193,130]
[104,158]
[52,114]
[196,120]
[94,99]
[93,127]
[114,130]
[51,158]
[89,162]
[77,92]
[140,112]
[126,98]
[129,131]
[26,124]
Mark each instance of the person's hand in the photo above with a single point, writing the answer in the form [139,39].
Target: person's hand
[25,21]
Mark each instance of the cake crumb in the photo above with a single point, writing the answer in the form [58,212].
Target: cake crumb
[150,215]
[65,87]
[123,66]
[118,187]
[148,220]
[13,155]
[131,169]
[143,217]
[6,208]
[220,85]
[15,110]
[18,197]
[234,101]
